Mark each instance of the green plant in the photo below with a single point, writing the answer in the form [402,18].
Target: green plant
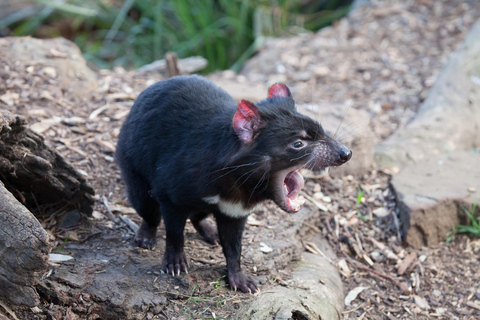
[219,301]
[62,247]
[472,229]
[359,196]
[132,33]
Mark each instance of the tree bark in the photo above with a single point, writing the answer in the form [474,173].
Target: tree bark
[24,246]
[36,174]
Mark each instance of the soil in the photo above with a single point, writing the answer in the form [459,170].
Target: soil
[440,282]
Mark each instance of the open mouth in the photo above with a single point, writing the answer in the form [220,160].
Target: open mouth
[292,182]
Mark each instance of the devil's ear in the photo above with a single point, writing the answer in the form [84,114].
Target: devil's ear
[247,121]
[279,90]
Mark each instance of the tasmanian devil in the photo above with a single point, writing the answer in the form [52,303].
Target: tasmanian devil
[187,150]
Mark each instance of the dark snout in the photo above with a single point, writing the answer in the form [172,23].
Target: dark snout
[331,154]
[344,154]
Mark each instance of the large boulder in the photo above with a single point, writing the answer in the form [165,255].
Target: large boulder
[58,60]
[449,119]
[431,196]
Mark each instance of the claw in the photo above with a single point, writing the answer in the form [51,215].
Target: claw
[173,272]
[249,291]
[178,272]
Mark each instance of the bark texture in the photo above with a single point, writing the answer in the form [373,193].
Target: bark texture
[24,246]
[36,174]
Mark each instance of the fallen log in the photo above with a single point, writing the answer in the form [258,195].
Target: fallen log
[37,175]
[24,246]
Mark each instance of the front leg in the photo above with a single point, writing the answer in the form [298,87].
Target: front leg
[230,231]
[174,259]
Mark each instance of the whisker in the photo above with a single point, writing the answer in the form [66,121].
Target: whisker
[303,156]
[246,179]
[234,168]
[350,103]
[258,183]
[237,166]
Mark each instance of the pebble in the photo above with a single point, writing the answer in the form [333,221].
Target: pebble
[376,256]
[327,199]
[436,293]
[380,212]
[472,189]
[422,258]
[318,195]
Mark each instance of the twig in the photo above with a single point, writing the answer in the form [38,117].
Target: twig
[110,213]
[10,311]
[89,237]
[397,226]
[212,261]
[132,225]
[314,202]
[356,308]
[379,274]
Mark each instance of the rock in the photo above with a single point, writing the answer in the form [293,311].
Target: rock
[242,91]
[449,118]
[430,195]
[58,59]
[186,65]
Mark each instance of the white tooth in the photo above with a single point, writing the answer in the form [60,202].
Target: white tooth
[327,169]
[285,189]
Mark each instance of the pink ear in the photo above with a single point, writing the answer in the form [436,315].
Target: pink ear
[279,90]
[247,121]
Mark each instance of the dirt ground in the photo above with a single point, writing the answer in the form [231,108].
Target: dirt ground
[396,282]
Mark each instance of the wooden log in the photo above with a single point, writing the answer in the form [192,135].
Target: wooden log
[24,246]
[37,175]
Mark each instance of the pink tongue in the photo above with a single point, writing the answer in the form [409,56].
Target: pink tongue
[297,184]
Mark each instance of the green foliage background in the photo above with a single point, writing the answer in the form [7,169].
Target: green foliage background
[132,33]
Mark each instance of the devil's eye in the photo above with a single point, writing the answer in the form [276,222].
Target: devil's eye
[298,144]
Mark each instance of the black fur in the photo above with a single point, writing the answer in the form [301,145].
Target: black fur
[178,147]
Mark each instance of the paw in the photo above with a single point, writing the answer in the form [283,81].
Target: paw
[208,232]
[175,262]
[146,236]
[211,236]
[242,282]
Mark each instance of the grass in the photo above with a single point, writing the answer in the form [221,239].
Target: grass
[219,301]
[473,229]
[131,33]
[360,195]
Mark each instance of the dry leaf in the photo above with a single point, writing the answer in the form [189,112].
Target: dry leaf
[407,261]
[10,98]
[265,248]
[353,294]
[344,269]
[421,302]
[44,125]
[54,53]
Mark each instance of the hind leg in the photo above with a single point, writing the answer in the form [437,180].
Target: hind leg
[208,231]
[146,206]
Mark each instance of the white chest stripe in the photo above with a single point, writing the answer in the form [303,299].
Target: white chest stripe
[231,209]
